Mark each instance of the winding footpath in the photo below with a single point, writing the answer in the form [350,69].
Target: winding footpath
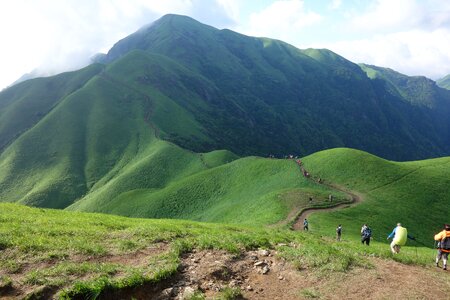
[356,198]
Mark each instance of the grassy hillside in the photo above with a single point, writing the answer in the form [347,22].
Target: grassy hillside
[246,191]
[53,253]
[263,96]
[413,193]
[444,82]
[25,104]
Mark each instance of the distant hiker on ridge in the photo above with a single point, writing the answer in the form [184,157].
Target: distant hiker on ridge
[366,234]
[443,246]
[338,232]
[400,235]
[305,225]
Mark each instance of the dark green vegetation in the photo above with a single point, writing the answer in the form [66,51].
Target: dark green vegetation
[444,82]
[261,96]
[84,255]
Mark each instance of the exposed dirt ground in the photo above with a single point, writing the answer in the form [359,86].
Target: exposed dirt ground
[260,275]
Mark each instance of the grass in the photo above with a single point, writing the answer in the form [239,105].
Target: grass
[413,193]
[73,252]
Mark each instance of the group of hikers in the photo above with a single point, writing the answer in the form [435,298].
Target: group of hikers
[399,236]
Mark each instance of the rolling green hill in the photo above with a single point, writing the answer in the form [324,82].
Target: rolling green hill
[413,193]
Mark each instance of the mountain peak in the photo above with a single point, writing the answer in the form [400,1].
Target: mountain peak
[155,33]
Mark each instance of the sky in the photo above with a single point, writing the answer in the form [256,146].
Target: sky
[53,36]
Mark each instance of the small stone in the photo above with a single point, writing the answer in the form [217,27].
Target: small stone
[249,288]
[195,260]
[282,245]
[253,257]
[259,263]
[263,252]
[280,277]
[265,270]
[188,293]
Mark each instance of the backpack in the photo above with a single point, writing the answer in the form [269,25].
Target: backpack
[445,243]
[367,232]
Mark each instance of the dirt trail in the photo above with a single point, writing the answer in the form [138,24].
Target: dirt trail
[356,198]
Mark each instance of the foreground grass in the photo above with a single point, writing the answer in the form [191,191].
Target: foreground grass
[71,252]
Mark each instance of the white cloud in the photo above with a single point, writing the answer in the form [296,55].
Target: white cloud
[409,36]
[56,36]
[282,19]
[415,52]
[387,16]
[335,4]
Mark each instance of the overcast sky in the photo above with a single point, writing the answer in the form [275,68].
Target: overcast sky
[410,36]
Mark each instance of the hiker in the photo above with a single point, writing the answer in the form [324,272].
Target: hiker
[330,197]
[400,235]
[305,225]
[443,239]
[310,200]
[366,234]
[338,232]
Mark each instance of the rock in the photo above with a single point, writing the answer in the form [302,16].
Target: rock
[263,252]
[280,277]
[249,288]
[195,260]
[170,292]
[253,257]
[282,245]
[259,263]
[233,283]
[265,270]
[188,292]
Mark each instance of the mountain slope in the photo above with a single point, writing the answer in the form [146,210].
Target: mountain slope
[274,98]
[444,82]
[413,193]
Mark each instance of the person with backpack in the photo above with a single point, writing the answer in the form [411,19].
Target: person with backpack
[400,235]
[443,239]
[366,234]
[338,232]
[305,225]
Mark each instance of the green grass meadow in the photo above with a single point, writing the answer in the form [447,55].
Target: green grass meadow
[68,251]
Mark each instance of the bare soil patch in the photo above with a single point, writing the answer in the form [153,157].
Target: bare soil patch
[261,275]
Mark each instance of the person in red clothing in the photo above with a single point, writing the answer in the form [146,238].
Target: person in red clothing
[443,246]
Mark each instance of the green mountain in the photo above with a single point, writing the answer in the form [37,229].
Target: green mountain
[444,82]
[265,96]
[138,133]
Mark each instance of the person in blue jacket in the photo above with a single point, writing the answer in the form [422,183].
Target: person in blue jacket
[395,245]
